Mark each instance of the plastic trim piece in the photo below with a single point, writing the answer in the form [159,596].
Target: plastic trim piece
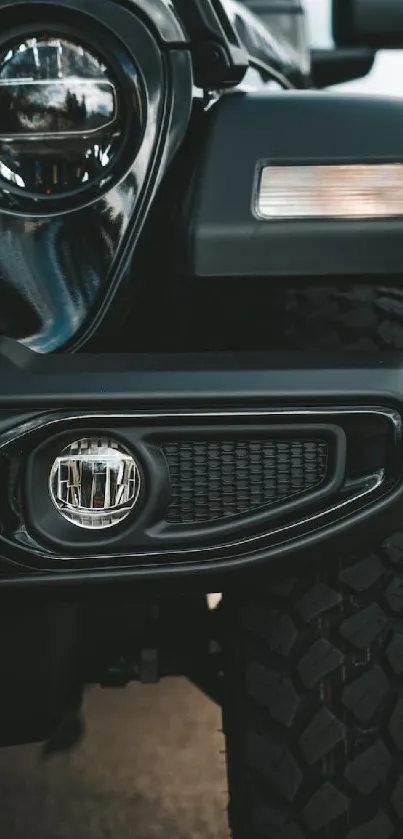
[210,386]
[150,533]
[219,236]
[230,544]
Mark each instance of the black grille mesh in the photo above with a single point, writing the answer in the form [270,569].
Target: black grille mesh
[214,479]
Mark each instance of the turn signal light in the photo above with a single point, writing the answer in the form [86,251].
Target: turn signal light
[345,191]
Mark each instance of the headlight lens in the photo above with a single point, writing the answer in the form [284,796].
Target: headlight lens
[59,116]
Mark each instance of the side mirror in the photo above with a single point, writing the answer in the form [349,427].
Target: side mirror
[337,66]
[377,24]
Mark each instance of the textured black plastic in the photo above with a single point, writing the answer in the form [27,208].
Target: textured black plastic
[89,239]
[216,479]
[218,468]
[185,386]
[221,235]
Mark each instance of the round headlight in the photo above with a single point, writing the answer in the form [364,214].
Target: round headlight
[95,483]
[60,126]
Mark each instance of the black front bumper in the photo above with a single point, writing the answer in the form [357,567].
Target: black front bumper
[360,395]
[41,382]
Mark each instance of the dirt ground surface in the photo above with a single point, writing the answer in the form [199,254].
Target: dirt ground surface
[151,766]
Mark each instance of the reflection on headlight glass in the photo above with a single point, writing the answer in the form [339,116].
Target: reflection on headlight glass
[59,116]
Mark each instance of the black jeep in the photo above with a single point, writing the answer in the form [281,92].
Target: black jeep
[201,389]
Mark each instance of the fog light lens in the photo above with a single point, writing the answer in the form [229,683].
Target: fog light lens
[95,483]
[330,192]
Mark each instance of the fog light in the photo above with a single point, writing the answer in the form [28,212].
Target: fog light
[95,483]
[347,191]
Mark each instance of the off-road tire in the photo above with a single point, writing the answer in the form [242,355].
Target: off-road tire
[357,317]
[313,709]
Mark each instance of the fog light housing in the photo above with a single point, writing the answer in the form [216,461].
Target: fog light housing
[95,483]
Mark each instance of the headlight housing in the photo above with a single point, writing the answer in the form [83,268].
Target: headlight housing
[76,194]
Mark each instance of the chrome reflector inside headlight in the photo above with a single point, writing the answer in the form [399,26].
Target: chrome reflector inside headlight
[95,483]
[60,125]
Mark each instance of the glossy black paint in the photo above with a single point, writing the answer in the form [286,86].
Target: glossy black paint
[260,27]
[66,268]
[63,272]
[219,58]
[167,25]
